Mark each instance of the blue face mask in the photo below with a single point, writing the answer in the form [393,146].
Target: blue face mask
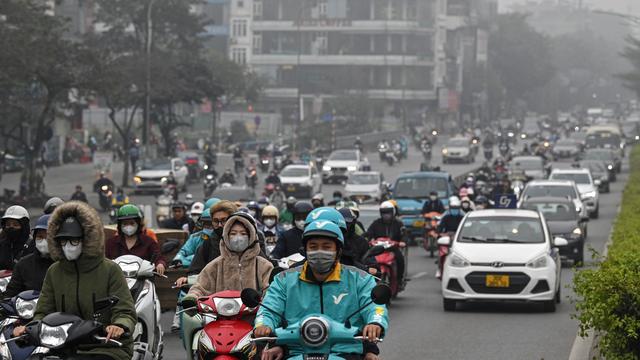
[454,212]
[208,232]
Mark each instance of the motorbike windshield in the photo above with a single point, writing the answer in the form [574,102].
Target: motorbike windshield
[502,230]
[555,211]
[419,188]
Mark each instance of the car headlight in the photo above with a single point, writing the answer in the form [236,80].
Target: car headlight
[610,167]
[54,336]
[445,151]
[537,263]
[326,168]
[129,270]
[227,307]
[26,308]
[434,132]
[137,179]
[163,180]
[577,231]
[590,195]
[637,137]
[210,177]
[458,261]
[523,136]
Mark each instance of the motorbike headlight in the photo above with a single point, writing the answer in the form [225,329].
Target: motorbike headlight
[434,132]
[26,308]
[352,168]
[610,167]
[523,136]
[314,331]
[510,134]
[137,179]
[538,263]
[163,180]
[3,283]
[458,261]
[445,151]
[637,137]
[129,270]
[54,336]
[227,307]
[210,177]
[243,344]
[577,231]
[326,168]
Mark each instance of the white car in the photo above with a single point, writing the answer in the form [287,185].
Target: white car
[364,185]
[153,174]
[458,149]
[554,188]
[586,186]
[300,180]
[342,163]
[502,255]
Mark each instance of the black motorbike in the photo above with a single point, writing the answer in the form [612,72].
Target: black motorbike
[14,312]
[209,184]
[238,164]
[265,163]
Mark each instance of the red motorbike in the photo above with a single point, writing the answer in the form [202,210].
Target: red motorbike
[5,277]
[443,251]
[430,239]
[229,335]
[386,263]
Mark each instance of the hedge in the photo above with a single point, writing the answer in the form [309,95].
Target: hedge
[608,296]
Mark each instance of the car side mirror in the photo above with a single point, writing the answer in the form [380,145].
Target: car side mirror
[444,241]
[560,241]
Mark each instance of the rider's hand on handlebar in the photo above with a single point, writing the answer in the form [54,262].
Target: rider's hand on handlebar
[182,281]
[113,332]
[262,331]
[275,353]
[160,269]
[372,332]
[19,331]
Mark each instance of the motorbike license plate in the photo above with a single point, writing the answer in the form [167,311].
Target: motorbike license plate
[291,188]
[418,223]
[497,281]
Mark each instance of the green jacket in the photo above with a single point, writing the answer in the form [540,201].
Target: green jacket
[286,216]
[72,286]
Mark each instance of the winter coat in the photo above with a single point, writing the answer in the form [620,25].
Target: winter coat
[289,244]
[296,294]
[12,251]
[380,229]
[175,224]
[231,271]
[73,286]
[190,247]
[145,248]
[28,274]
[355,247]
[207,252]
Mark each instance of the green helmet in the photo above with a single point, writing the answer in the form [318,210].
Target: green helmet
[129,211]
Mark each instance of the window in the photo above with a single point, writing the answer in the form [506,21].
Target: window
[239,28]
[257,9]
[240,3]
[257,43]
[239,55]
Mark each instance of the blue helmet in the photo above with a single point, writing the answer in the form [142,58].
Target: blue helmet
[209,203]
[206,214]
[326,213]
[323,228]
[42,223]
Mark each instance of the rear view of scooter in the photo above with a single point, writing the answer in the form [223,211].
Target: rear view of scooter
[147,335]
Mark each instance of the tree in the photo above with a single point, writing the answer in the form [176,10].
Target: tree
[39,68]
[520,56]
[631,53]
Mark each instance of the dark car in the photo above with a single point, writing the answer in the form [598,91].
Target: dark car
[600,174]
[566,148]
[563,221]
[234,193]
[608,156]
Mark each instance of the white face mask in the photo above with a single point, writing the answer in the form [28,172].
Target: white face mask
[269,249]
[129,230]
[269,222]
[42,246]
[300,224]
[72,252]
[238,243]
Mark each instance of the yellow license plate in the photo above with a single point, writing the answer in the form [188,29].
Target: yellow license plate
[497,281]
[291,188]
[418,223]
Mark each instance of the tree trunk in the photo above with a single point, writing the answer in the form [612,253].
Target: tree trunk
[125,172]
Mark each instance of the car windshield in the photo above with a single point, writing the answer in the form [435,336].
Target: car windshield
[580,136]
[599,155]
[594,166]
[550,191]
[458,142]
[294,172]
[566,142]
[526,164]
[344,156]
[420,187]
[502,230]
[578,178]
[156,165]
[603,139]
[554,211]
[363,179]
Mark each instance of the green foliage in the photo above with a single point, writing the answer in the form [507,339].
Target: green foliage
[609,296]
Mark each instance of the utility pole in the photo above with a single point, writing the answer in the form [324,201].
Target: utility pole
[147,105]
[300,115]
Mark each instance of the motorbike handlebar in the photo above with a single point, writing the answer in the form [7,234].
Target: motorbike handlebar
[104,340]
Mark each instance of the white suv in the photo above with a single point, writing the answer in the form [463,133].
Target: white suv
[342,163]
[502,254]
[554,188]
[586,186]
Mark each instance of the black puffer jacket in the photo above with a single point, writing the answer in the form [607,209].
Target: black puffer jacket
[28,274]
[354,249]
[289,244]
[12,251]
[379,228]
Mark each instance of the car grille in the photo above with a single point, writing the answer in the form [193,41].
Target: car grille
[517,282]
[159,178]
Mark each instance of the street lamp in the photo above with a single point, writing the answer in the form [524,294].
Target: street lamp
[147,105]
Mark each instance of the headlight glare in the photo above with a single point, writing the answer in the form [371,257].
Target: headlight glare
[326,168]
[577,231]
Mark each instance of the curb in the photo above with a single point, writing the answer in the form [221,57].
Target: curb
[583,347]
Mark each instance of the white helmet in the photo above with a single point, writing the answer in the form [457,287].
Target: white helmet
[454,201]
[16,212]
[387,206]
[197,208]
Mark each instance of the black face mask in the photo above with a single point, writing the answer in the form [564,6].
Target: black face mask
[218,231]
[12,233]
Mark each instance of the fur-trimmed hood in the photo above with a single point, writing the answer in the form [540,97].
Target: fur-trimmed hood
[93,239]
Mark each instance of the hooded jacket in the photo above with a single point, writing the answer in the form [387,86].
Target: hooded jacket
[28,274]
[74,286]
[231,271]
[12,251]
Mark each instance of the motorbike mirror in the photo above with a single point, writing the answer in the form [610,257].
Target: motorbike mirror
[374,251]
[444,241]
[381,294]
[250,297]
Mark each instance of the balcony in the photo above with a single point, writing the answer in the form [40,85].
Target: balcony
[345,25]
[377,94]
[371,60]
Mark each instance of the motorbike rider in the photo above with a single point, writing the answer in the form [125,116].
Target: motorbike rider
[120,199]
[389,226]
[186,253]
[273,178]
[355,246]
[254,210]
[291,240]
[15,237]
[179,218]
[227,177]
[196,213]
[270,228]
[482,202]
[210,156]
[80,275]
[466,204]
[29,272]
[452,218]
[294,294]
[337,197]
[238,267]
[434,204]
[286,215]
[317,200]
[51,205]
[358,143]
[79,195]
[129,240]
[102,181]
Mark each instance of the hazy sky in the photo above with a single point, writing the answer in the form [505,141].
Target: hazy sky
[626,6]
